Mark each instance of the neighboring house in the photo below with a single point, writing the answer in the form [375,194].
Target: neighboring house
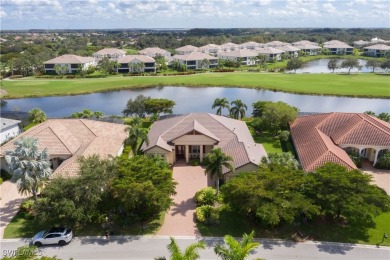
[304,42]
[195,60]
[229,46]
[275,44]
[111,53]
[68,63]
[9,129]
[378,50]
[307,48]
[186,49]
[360,43]
[250,45]
[193,136]
[336,47]
[155,51]
[271,53]
[247,57]
[328,137]
[136,63]
[67,139]
[290,50]
[211,49]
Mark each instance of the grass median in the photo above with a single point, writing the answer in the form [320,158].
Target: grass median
[354,85]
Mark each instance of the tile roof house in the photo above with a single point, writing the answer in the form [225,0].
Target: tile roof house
[229,46]
[377,50]
[186,49]
[275,44]
[307,47]
[271,53]
[67,139]
[9,128]
[247,57]
[211,49]
[136,63]
[303,42]
[111,53]
[155,51]
[71,63]
[360,43]
[251,45]
[336,47]
[196,134]
[194,60]
[328,137]
[292,51]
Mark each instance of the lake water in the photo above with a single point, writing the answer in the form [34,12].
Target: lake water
[193,100]
[321,66]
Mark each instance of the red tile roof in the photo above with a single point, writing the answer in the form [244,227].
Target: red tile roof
[317,138]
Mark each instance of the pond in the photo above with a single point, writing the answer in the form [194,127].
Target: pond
[192,100]
[321,66]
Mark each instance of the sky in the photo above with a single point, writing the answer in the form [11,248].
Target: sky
[110,14]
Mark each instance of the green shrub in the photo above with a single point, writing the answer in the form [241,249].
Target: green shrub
[27,205]
[1,180]
[206,196]
[5,175]
[16,77]
[207,215]
[383,162]
[355,157]
[195,163]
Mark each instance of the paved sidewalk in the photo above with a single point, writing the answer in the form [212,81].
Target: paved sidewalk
[180,219]
[10,201]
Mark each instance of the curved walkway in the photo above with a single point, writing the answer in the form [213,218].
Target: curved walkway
[180,219]
[10,201]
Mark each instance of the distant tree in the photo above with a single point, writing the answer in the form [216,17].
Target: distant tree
[190,253]
[220,103]
[221,63]
[204,64]
[61,69]
[28,166]
[87,113]
[350,64]
[238,109]
[325,51]
[159,105]
[294,64]
[284,135]
[371,113]
[215,161]
[136,106]
[356,52]
[277,160]
[373,64]
[106,65]
[386,64]
[37,116]
[384,116]
[235,250]
[333,64]
[161,62]
[137,135]
[262,61]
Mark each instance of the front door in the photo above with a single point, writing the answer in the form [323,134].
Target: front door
[180,152]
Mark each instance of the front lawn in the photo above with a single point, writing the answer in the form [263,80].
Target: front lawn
[235,224]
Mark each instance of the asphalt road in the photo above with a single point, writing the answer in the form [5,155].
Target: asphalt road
[150,247]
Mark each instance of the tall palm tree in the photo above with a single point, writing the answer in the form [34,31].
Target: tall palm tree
[37,116]
[215,161]
[27,166]
[238,110]
[191,252]
[220,103]
[137,135]
[234,250]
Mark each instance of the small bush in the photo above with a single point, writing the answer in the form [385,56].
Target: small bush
[195,163]
[16,77]
[95,76]
[224,70]
[355,157]
[27,205]
[383,162]
[1,180]
[5,175]
[207,214]
[206,196]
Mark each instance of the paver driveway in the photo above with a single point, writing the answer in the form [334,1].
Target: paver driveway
[9,203]
[180,219]
[380,177]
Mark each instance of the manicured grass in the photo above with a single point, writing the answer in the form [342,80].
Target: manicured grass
[236,224]
[362,85]
[24,226]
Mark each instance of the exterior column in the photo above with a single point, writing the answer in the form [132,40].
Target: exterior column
[201,153]
[376,156]
[187,153]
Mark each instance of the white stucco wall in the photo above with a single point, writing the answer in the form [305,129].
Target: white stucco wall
[9,132]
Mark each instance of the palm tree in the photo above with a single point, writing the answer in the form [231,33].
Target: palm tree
[215,160]
[37,116]
[191,252]
[204,64]
[137,135]
[27,166]
[234,250]
[238,110]
[220,103]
